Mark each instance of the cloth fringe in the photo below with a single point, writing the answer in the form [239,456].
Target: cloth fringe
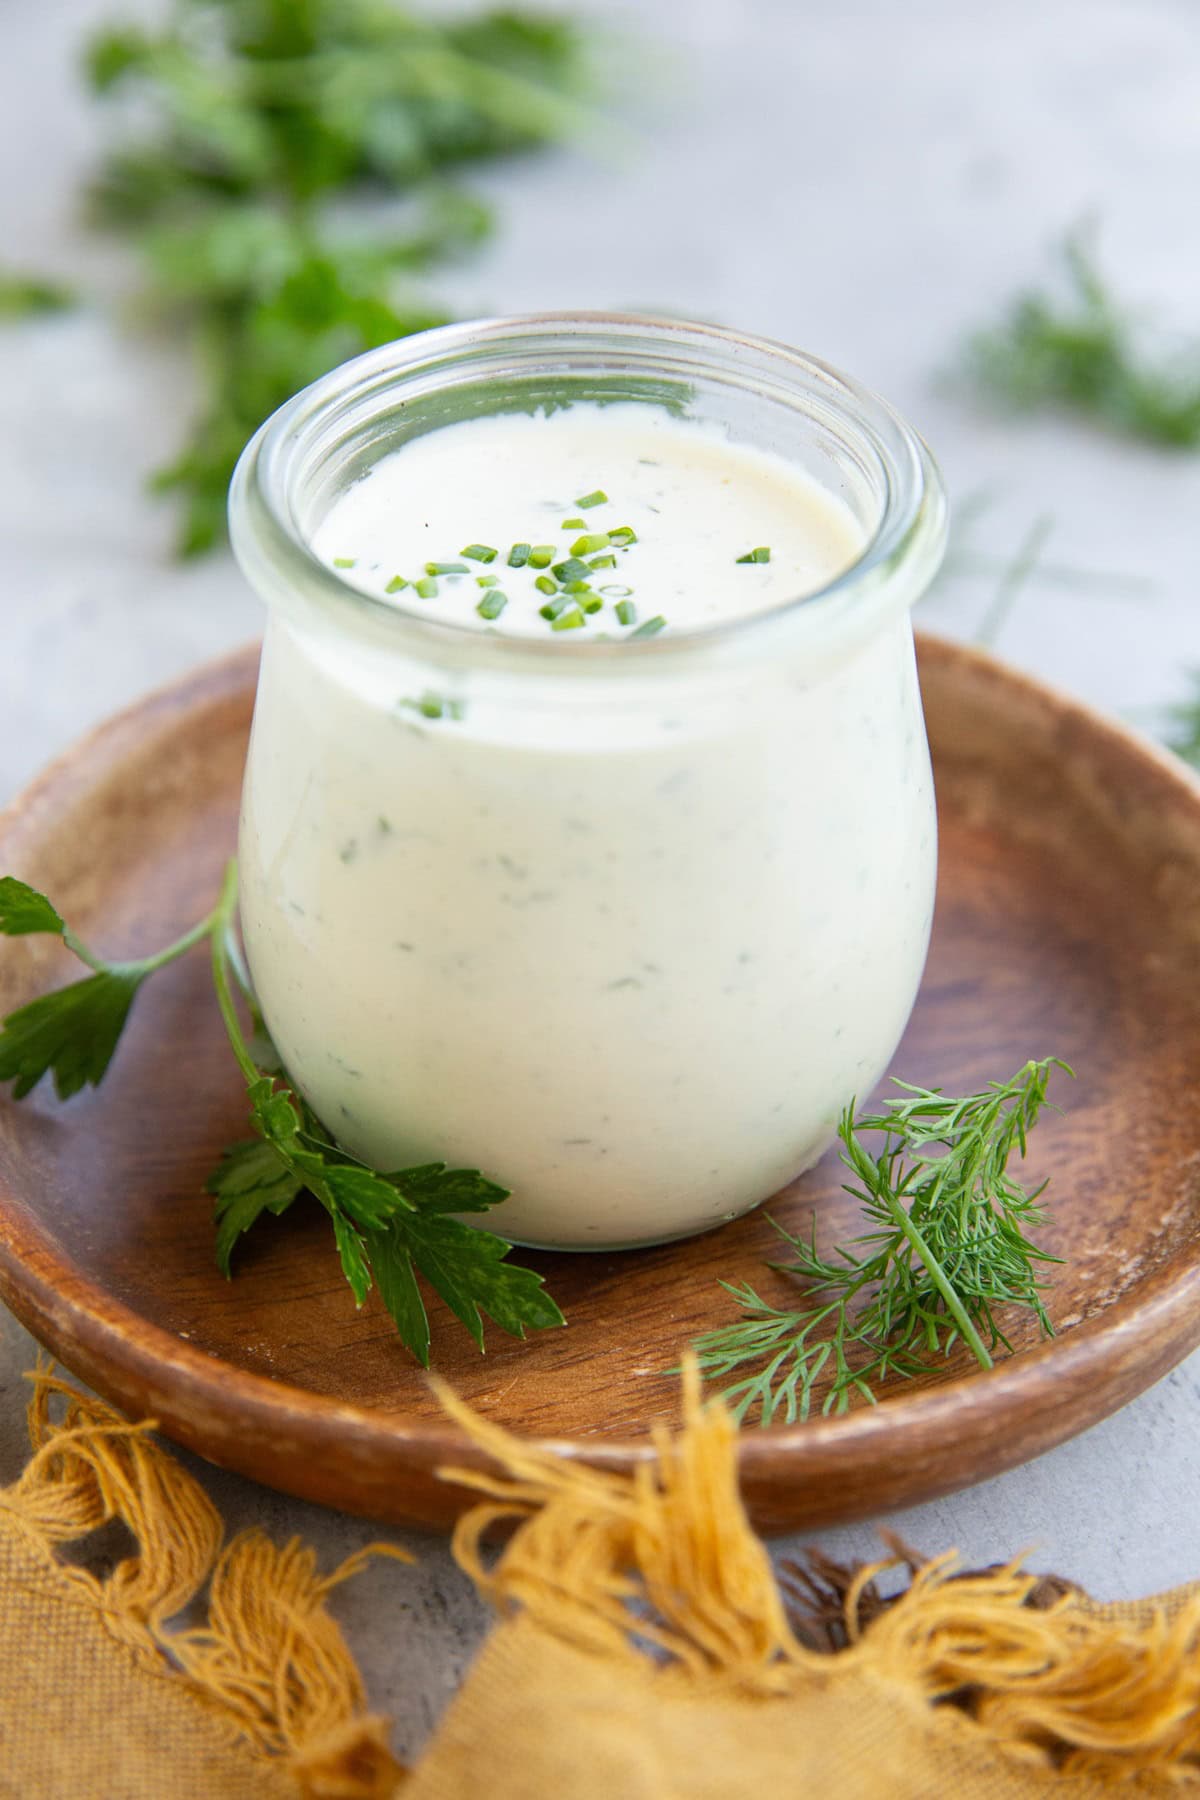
[665,1558]
[271,1660]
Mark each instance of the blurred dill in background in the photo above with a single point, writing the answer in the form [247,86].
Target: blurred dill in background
[246,125]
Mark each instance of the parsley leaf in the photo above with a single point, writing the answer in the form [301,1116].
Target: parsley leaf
[70,1034]
[252,1179]
[386,1227]
[467,1267]
[24,910]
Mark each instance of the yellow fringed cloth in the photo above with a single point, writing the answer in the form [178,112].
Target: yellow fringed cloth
[646,1649]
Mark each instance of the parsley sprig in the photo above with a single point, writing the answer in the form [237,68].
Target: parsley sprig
[946,1251]
[388,1227]
[243,132]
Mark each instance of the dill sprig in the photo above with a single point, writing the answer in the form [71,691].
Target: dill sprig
[1084,352]
[947,1249]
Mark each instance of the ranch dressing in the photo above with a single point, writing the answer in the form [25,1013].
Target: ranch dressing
[632,954]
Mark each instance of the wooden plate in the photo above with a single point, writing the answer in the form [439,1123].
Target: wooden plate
[1068,921]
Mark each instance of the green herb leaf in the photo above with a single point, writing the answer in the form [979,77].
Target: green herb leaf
[70,1034]
[433,1188]
[597,498]
[253,1178]
[760,555]
[467,1267]
[24,910]
[73,1032]
[395,1277]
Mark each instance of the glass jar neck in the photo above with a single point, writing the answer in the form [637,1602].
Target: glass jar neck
[331,434]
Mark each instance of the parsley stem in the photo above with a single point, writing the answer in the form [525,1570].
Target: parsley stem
[180,947]
[219,925]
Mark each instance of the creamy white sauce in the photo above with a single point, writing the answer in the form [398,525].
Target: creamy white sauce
[627,946]
[695,501]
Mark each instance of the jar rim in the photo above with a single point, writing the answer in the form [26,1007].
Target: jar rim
[898,559]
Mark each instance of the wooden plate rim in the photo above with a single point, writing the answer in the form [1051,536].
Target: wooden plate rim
[1162,1309]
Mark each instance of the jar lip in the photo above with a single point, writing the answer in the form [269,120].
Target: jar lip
[908,539]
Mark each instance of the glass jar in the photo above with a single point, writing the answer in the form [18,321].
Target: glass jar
[624,924]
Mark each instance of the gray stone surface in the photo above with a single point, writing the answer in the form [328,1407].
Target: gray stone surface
[868,180]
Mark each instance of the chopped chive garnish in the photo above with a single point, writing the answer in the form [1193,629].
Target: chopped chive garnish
[590,602]
[616,590]
[627,612]
[598,498]
[395,584]
[602,562]
[554,607]
[432,568]
[483,553]
[433,706]
[541,556]
[546,584]
[348,562]
[595,540]
[576,587]
[571,570]
[573,524]
[519,555]
[568,621]
[624,535]
[650,628]
[492,604]
[487,581]
[427,587]
[761,555]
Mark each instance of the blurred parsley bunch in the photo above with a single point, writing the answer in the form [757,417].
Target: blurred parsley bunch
[246,121]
